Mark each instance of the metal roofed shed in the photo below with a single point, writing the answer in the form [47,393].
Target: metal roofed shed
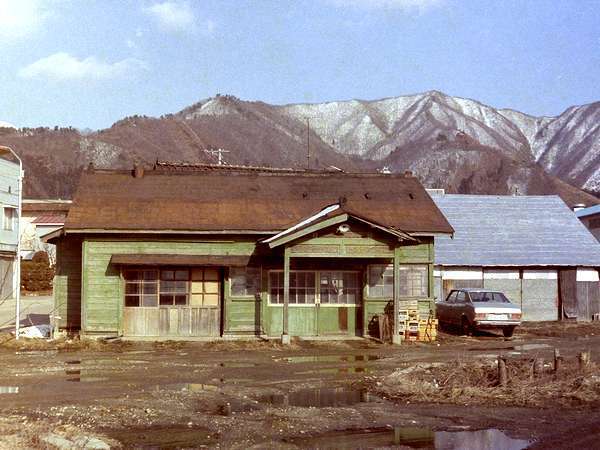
[590,217]
[522,245]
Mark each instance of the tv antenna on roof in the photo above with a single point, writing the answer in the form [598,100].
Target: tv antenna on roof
[219,153]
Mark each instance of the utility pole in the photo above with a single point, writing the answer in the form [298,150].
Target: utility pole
[307,143]
[219,152]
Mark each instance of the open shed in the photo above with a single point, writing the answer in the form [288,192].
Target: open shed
[533,248]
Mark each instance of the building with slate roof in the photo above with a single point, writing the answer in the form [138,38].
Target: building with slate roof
[526,246]
[590,217]
[197,251]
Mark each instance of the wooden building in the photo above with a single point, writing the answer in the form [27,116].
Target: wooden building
[184,251]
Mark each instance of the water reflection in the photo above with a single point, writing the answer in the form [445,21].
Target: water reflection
[319,398]
[413,437]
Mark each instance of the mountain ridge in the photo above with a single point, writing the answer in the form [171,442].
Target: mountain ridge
[456,143]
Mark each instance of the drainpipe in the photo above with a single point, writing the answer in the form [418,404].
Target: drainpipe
[4,149]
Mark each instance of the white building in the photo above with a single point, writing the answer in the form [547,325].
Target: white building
[9,227]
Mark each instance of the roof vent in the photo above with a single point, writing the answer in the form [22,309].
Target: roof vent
[408,173]
[342,201]
[138,171]
[578,207]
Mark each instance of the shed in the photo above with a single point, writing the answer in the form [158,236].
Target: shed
[526,246]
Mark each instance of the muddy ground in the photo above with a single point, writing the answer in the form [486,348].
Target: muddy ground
[262,395]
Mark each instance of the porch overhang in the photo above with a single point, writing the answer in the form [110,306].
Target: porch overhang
[329,216]
[143,259]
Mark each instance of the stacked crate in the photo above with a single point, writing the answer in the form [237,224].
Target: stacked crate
[416,325]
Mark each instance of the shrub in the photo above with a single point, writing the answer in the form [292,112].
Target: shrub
[37,274]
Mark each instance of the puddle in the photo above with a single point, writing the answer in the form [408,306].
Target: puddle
[37,352]
[413,437]
[190,387]
[237,365]
[164,437]
[328,358]
[518,348]
[525,347]
[336,370]
[319,398]
[86,379]
[9,389]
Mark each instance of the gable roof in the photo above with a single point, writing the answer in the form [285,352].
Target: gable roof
[589,211]
[329,216]
[513,231]
[178,200]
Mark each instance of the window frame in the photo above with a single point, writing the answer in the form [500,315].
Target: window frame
[317,289]
[245,268]
[8,225]
[391,266]
[369,287]
[160,290]
[140,282]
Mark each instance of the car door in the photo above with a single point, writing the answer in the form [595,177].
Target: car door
[444,308]
[459,307]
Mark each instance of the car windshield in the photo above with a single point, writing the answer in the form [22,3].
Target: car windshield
[496,297]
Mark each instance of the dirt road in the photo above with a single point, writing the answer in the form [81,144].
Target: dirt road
[240,395]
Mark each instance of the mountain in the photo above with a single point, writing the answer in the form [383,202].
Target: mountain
[448,142]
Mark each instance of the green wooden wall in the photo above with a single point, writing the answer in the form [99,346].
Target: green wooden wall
[67,283]
[102,287]
[87,282]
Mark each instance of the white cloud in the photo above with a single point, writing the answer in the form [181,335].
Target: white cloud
[62,66]
[173,15]
[21,18]
[407,5]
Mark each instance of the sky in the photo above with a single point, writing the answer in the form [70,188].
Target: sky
[89,63]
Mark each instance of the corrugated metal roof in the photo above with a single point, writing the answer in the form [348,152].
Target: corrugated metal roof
[588,211]
[513,231]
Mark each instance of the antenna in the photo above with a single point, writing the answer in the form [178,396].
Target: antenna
[307,143]
[219,152]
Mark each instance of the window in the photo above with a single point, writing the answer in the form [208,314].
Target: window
[339,288]
[141,288]
[452,297]
[205,287]
[174,287]
[9,214]
[461,297]
[302,287]
[245,281]
[414,280]
[381,281]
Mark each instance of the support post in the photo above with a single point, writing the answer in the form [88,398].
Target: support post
[502,372]
[396,338]
[557,360]
[285,336]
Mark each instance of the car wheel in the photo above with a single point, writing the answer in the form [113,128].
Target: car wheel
[465,327]
[508,331]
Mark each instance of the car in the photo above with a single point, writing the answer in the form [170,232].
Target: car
[479,309]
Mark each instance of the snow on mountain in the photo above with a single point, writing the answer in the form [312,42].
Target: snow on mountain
[569,146]
[377,128]
[6,125]
[566,146]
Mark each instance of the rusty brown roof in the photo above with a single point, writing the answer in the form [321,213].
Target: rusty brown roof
[244,200]
[34,205]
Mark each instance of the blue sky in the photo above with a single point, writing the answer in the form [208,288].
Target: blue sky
[88,63]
